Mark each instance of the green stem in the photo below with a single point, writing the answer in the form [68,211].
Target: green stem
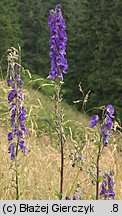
[98,170]
[60,133]
[17,180]
[16,159]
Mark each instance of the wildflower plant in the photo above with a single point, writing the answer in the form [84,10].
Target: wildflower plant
[59,66]
[16,136]
[102,134]
[105,127]
[100,138]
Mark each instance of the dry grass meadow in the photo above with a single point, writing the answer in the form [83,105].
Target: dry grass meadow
[39,169]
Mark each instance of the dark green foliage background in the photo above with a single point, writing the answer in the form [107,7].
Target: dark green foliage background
[93,50]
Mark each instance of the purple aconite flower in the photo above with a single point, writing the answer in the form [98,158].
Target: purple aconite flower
[19,134]
[22,146]
[57,44]
[11,150]
[110,110]
[10,137]
[12,95]
[67,198]
[17,110]
[107,188]
[105,136]
[94,120]
[103,188]
[109,123]
[9,81]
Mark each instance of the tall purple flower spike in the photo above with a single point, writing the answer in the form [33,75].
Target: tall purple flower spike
[57,44]
[17,110]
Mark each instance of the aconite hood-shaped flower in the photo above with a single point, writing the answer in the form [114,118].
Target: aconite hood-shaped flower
[94,120]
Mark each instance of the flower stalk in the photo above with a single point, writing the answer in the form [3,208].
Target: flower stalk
[60,131]
[98,170]
[59,66]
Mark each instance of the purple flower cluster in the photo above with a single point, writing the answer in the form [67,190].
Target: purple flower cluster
[107,188]
[75,197]
[107,124]
[17,110]
[57,44]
